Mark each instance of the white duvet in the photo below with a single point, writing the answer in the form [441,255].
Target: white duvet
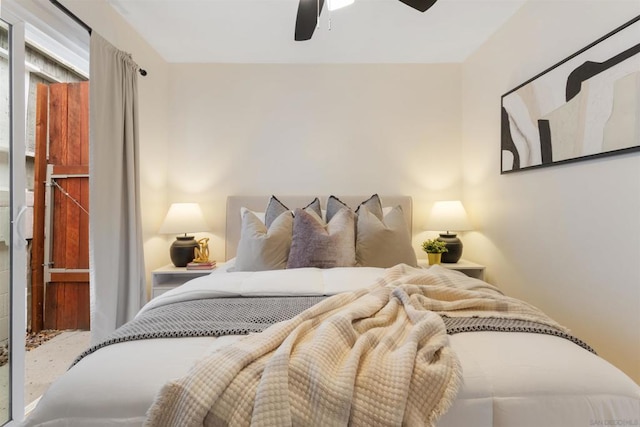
[509,379]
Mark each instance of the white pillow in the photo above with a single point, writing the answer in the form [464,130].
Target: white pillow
[260,215]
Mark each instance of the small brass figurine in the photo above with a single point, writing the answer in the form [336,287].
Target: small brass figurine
[201,253]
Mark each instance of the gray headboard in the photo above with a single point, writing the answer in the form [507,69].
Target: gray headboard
[259,204]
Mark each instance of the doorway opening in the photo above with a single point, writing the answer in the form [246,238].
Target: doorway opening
[57,164]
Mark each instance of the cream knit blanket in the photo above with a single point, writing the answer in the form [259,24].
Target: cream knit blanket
[378,356]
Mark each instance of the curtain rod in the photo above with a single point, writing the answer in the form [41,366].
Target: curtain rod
[83,24]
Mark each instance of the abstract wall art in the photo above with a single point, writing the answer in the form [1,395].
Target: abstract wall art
[586,106]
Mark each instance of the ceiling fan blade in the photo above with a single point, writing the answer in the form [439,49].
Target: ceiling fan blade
[307,18]
[421,5]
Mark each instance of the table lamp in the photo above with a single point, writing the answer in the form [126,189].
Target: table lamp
[449,215]
[183,218]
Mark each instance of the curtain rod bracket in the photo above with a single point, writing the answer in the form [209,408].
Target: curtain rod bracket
[83,24]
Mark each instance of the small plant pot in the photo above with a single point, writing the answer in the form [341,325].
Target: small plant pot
[434,258]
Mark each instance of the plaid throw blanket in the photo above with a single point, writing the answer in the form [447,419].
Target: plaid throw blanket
[378,356]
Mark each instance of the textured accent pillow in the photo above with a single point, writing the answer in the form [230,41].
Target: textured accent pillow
[261,248]
[374,205]
[333,207]
[275,208]
[315,244]
[383,243]
[315,207]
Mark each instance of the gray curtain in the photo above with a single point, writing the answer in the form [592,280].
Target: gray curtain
[115,235]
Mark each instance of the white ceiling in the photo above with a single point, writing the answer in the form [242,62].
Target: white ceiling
[261,31]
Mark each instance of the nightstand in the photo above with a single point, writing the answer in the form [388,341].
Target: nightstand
[168,277]
[469,268]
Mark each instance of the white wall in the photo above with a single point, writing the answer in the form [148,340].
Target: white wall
[154,119]
[565,238]
[313,129]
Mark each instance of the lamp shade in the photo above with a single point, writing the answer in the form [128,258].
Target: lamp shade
[448,216]
[183,218]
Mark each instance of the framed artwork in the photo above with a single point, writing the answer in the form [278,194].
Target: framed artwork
[586,106]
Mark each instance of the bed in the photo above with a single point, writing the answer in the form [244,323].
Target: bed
[500,374]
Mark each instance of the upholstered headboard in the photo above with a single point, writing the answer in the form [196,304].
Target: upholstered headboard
[259,204]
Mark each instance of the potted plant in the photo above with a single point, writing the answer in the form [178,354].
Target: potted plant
[434,249]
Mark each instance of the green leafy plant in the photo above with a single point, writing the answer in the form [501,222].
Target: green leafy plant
[434,246]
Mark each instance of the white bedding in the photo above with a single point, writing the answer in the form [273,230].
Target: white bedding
[509,379]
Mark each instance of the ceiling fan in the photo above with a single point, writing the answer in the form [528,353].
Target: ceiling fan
[308,14]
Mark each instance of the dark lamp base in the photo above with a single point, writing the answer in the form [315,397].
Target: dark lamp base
[182,250]
[454,248]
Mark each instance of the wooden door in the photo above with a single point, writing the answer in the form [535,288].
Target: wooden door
[64,195]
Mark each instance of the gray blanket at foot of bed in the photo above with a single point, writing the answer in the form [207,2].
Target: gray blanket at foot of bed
[240,316]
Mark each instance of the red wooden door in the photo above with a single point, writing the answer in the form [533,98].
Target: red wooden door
[66,242]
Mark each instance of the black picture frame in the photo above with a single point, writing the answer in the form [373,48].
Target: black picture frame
[585,106]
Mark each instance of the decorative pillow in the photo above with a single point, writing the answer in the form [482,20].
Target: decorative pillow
[260,215]
[314,206]
[383,243]
[275,208]
[333,207]
[261,248]
[374,205]
[315,244]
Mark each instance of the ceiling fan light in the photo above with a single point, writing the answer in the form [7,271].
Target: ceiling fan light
[338,4]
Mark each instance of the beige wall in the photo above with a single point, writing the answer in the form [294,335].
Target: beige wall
[313,129]
[565,238]
[429,131]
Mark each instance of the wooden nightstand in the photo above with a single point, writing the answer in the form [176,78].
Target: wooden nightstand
[168,277]
[469,268]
